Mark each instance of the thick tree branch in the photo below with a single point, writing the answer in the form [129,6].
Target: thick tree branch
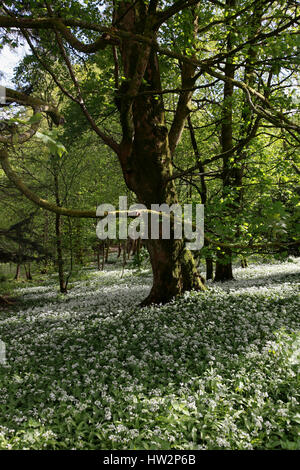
[108,140]
[176,90]
[63,26]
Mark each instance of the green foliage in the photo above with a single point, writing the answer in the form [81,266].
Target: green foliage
[49,138]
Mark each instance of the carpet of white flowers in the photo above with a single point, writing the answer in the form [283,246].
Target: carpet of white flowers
[213,370]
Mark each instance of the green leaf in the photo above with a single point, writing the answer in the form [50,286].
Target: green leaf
[55,147]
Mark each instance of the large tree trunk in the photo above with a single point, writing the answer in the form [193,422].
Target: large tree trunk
[146,157]
[174,270]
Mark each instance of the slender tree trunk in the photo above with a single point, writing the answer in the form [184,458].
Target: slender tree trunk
[233,170]
[202,191]
[124,249]
[45,240]
[98,258]
[59,251]
[224,259]
[78,251]
[129,247]
[28,272]
[68,276]
[209,268]
[18,272]
[137,247]
[224,267]
[60,261]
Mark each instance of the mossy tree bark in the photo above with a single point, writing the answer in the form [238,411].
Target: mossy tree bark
[145,151]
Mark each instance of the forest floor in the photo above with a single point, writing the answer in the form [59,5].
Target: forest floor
[213,370]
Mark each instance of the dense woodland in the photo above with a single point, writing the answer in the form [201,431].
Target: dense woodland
[163,102]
